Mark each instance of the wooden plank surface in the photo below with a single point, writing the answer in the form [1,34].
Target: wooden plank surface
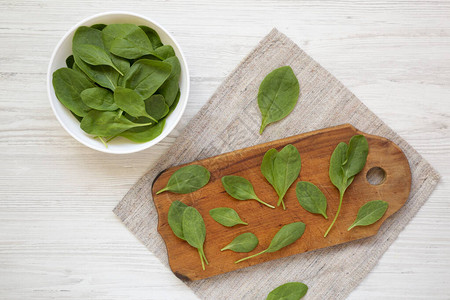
[58,236]
[316,148]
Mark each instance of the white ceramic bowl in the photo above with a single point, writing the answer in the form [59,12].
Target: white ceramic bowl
[118,145]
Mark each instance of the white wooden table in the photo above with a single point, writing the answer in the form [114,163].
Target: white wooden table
[58,236]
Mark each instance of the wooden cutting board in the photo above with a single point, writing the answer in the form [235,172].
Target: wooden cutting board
[315,149]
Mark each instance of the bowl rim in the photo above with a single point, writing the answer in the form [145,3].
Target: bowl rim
[136,146]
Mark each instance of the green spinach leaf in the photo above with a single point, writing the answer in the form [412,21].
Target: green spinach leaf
[267,166]
[336,172]
[76,68]
[68,84]
[187,179]
[146,76]
[169,88]
[164,52]
[287,235]
[278,94]
[286,169]
[194,231]
[95,56]
[152,36]
[357,152]
[175,218]
[156,107]
[243,243]
[106,123]
[370,212]
[144,134]
[281,169]
[126,40]
[226,216]
[121,63]
[288,291]
[87,35]
[98,26]
[130,102]
[311,198]
[70,61]
[175,103]
[345,163]
[98,98]
[76,117]
[241,189]
[104,76]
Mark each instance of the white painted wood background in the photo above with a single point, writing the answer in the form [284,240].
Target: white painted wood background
[58,236]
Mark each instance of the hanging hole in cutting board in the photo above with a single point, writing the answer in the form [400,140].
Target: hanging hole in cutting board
[376,176]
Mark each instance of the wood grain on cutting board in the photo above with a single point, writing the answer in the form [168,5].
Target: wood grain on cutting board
[315,149]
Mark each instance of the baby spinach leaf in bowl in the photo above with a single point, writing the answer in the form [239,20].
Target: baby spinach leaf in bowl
[130,102]
[99,98]
[146,76]
[126,40]
[104,76]
[68,85]
[98,26]
[169,88]
[156,107]
[70,61]
[145,133]
[152,36]
[164,52]
[106,123]
[175,103]
[87,35]
[95,56]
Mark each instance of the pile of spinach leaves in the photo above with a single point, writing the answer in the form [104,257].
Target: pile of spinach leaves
[120,81]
